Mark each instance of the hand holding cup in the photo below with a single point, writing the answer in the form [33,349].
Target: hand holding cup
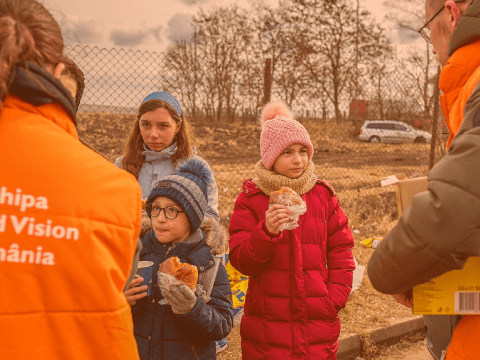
[134,292]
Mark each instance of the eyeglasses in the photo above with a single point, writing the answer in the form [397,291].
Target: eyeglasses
[170,212]
[424,31]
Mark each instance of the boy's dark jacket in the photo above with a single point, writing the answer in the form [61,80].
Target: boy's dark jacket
[162,335]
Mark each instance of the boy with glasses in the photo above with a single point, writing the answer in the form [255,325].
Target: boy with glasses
[441,229]
[194,320]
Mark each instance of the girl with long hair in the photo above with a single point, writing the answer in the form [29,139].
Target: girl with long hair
[160,140]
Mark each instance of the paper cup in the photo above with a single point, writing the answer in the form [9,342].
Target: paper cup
[145,270]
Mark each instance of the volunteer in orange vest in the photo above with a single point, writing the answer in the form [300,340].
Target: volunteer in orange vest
[441,229]
[69,219]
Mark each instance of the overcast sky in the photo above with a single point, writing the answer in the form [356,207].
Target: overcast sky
[148,24]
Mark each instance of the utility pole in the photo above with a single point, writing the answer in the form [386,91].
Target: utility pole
[267,84]
[356,50]
[434,122]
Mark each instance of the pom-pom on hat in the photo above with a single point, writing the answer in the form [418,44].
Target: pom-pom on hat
[279,131]
[188,188]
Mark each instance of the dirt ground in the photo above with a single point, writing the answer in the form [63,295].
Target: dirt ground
[409,350]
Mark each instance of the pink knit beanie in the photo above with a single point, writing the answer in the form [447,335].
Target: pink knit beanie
[279,131]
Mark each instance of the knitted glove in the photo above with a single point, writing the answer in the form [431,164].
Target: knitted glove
[181,298]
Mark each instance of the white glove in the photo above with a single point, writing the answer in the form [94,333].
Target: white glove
[181,298]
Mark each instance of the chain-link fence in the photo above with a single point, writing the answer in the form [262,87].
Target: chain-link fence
[223,113]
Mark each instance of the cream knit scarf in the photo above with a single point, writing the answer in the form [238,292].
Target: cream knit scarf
[269,181]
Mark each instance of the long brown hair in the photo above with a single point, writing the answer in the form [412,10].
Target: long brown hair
[133,159]
[72,70]
[28,32]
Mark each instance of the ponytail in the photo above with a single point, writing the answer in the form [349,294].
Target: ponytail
[28,32]
[15,42]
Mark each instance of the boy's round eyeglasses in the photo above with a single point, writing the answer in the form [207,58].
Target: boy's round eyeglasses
[424,31]
[170,212]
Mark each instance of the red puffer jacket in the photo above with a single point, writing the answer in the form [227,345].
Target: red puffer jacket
[293,299]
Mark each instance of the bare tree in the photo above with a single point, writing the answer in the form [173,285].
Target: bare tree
[414,70]
[408,16]
[182,72]
[328,34]
[222,36]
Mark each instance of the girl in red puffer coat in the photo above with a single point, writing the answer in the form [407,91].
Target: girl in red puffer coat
[300,278]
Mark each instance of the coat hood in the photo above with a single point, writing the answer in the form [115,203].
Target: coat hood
[468,28]
[217,235]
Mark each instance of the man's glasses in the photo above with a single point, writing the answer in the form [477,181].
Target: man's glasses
[170,212]
[425,31]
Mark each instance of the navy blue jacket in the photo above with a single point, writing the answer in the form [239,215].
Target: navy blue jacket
[161,334]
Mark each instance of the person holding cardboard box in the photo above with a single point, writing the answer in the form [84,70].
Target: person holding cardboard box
[440,231]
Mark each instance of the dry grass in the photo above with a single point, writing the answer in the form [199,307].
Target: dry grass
[409,342]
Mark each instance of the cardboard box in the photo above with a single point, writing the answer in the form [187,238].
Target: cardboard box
[454,293]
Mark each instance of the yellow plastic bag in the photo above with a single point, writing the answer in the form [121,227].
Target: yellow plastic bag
[233,275]
[239,285]
[371,242]
[239,290]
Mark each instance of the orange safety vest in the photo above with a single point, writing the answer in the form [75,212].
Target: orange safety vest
[69,220]
[457,82]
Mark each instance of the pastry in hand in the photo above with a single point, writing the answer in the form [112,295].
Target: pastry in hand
[184,272]
[289,198]
[286,197]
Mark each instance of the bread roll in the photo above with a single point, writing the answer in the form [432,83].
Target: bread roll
[286,197]
[184,272]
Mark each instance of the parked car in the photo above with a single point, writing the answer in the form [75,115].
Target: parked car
[391,131]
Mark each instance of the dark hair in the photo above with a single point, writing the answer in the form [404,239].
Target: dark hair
[133,159]
[72,70]
[28,32]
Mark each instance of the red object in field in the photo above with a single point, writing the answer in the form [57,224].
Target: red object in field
[420,124]
[358,109]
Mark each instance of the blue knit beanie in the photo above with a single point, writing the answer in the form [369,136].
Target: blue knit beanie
[165,97]
[188,188]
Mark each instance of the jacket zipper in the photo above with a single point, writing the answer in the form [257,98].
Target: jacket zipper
[170,249]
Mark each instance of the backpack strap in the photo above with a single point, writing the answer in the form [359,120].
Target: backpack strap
[206,280]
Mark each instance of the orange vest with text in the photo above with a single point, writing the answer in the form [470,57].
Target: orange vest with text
[69,220]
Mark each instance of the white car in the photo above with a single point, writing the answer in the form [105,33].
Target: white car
[392,131]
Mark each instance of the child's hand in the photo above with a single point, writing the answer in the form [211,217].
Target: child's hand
[133,293]
[275,216]
[181,298]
